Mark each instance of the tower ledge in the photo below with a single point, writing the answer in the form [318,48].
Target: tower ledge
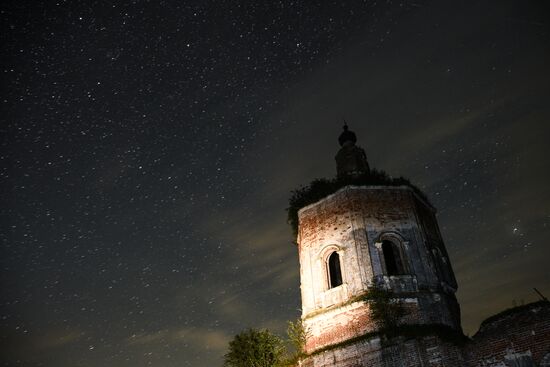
[423,200]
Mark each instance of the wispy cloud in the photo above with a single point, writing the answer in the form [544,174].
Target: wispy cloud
[58,338]
[215,340]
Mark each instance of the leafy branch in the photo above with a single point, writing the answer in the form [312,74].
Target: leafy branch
[385,309]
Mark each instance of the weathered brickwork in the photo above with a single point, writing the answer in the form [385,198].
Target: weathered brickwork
[338,325]
[354,219]
[419,352]
[357,223]
[353,222]
[516,337]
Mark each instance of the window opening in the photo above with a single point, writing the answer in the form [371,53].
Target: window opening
[334,271]
[392,258]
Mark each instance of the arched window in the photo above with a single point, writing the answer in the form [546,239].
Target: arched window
[392,258]
[334,271]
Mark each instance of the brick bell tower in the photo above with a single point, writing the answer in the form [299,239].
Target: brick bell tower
[365,235]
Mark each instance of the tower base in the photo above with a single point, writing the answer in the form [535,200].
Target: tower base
[423,351]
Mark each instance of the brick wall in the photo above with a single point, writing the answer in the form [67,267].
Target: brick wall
[338,325]
[353,222]
[429,351]
[513,337]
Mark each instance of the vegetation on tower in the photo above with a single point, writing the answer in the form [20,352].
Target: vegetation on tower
[385,309]
[322,187]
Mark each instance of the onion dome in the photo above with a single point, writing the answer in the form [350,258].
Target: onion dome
[347,136]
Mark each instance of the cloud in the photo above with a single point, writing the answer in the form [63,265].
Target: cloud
[34,347]
[214,340]
[54,339]
[160,336]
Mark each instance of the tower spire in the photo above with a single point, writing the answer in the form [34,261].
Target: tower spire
[351,160]
[347,135]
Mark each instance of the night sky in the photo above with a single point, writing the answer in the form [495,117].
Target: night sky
[148,150]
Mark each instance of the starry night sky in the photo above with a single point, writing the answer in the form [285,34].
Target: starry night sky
[149,148]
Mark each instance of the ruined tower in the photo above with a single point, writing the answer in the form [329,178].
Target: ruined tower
[373,231]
